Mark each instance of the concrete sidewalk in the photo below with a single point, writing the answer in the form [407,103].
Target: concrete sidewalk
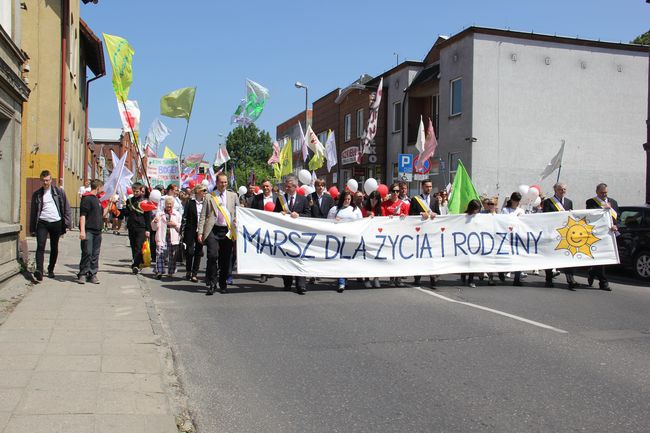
[86,358]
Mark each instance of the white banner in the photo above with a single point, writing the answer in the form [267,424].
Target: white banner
[162,170]
[276,244]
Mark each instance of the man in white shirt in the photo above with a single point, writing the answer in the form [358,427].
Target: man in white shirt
[50,216]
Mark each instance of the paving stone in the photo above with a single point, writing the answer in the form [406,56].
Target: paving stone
[51,424]
[58,401]
[24,335]
[160,424]
[78,324]
[15,379]
[4,419]
[120,423]
[25,348]
[18,362]
[74,348]
[72,335]
[135,382]
[14,323]
[139,363]
[128,325]
[69,363]
[53,380]
[9,398]
[116,348]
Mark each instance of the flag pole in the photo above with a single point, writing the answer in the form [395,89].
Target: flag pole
[137,145]
[559,169]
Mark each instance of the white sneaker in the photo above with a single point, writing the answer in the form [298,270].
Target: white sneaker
[376,283]
[367,284]
[472,285]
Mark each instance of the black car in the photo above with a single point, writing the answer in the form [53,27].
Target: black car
[634,241]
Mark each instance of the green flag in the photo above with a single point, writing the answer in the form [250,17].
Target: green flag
[250,109]
[462,191]
[178,103]
[121,54]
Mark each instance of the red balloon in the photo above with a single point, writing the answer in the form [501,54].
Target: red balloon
[270,206]
[192,183]
[301,190]
[382,190]
[537,187]
[334,192]
[147,205]
[257,189]
[129,191]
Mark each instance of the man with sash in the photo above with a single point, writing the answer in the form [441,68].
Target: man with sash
[602,201]
[217,231]
[290,203]
[559,203]
[427,206]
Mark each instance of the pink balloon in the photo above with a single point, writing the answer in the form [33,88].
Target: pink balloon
[382,190]
[334,192]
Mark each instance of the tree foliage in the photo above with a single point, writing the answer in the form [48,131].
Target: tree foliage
[643,39]
[249,149]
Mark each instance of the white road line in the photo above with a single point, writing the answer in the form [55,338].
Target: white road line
[501,313]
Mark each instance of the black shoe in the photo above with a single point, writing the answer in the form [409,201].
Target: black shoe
[398,283]
[263,279]
[572,285]
[135,270]
[210,290]
[432,283]
[158,276]
[50,274]
[188,277]
[502,277]
[416,281]
[38,275]
[517,283]
[223,290]
[301,290]
[194,279]
[590,280]
[287,288]
[549,283]
[606,288]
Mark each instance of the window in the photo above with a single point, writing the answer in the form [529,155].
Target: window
[397,117]
[6,16]
[630,218]
[348,127]
[454,157]
[360,123]
[456,96]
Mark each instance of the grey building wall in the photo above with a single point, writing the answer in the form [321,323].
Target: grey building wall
[527,96]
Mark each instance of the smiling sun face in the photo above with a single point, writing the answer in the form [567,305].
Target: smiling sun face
[577,237]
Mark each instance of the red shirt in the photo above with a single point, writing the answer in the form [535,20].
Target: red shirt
[394,208]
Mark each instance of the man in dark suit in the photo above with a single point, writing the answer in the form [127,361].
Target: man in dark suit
[297,206]
[259,201]
[427,206]
[190,231]
[319,201]
[559,203]
[602,201]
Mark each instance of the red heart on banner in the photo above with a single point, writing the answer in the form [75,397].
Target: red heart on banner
[510,228]
[380,229]
[417,229]
[442,229]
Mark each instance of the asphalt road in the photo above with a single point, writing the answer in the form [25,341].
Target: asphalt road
[259,359]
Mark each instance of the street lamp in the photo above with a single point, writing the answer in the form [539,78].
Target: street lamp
[299,85]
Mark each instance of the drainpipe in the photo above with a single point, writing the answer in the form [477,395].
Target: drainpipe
[65,31]
[86,109]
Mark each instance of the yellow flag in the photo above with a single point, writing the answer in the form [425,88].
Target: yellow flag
[169,154]
[286,159]
[317,161]
[121,54]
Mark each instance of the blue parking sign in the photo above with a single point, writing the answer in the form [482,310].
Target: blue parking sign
[405,163]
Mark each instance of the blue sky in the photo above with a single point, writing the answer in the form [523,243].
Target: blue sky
[216,45]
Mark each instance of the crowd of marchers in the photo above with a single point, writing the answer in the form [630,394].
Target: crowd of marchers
[170,226]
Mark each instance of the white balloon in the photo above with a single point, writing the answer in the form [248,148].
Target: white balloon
[304,176]
[205,182]
[353,185]
[154,196]
[532,195]
[370,185]
[523,190]
[308,189]
[242,190]
[537,201]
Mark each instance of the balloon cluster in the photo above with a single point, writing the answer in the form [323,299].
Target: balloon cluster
[530,195]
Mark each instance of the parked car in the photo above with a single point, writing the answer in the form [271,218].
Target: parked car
[634,241]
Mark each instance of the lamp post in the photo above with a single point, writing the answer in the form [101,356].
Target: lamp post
[299,85]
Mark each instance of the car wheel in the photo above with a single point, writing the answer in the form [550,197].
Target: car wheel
[642,265]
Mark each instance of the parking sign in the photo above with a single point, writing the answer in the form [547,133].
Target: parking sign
[405,163]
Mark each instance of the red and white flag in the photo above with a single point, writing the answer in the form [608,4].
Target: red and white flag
[222,155]
[130,115]
[150,153]
[371,130]
[428,147]
[303,144]
[275,157]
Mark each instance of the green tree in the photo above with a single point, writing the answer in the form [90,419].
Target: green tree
[249,149]
[643,39]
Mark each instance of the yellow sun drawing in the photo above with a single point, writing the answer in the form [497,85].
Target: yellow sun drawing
[577,237]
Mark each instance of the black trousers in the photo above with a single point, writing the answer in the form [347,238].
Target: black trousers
[598,272]
[54,230]
[567,271]
[193,254]
[90,247]
[137,238]
[152,245]
[301,282]
[219,256]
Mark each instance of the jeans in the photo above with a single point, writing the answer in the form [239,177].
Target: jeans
[342,282]
[54,230]
[90,247]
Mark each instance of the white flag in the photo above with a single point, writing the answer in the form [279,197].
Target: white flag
[419,143]
[157,134]
[555,163]
[303,144]
[313,142]
[120,177]
[222,156]
[330,151]
[130,115]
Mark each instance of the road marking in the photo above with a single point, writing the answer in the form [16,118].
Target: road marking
[501,313]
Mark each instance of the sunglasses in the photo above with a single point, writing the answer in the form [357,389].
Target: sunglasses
[395,190]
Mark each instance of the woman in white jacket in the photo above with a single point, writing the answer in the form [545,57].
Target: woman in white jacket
[167,225]
[344,210]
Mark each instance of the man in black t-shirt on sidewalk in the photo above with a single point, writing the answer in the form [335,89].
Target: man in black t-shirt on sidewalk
[91,222]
